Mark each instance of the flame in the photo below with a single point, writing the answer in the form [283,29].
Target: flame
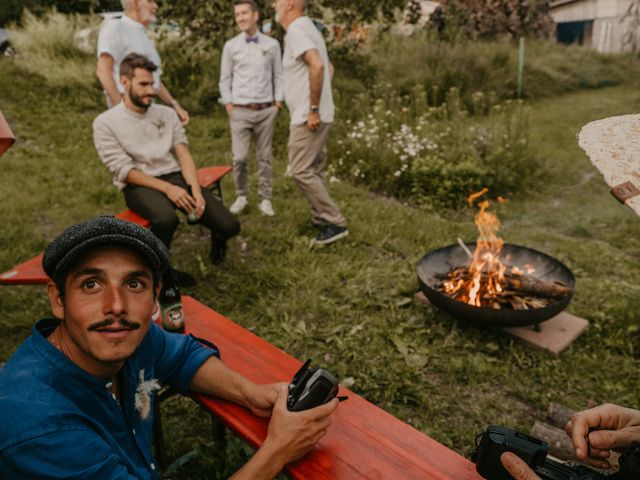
[484,277]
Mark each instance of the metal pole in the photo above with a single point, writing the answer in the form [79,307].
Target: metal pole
[520,66]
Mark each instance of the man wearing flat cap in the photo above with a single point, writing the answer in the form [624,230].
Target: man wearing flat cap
[76,398]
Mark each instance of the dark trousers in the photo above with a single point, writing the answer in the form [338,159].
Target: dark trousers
[161,212]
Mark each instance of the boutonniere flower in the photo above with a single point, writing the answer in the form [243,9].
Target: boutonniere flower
[143,394]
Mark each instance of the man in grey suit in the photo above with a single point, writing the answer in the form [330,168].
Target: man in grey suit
[251,91]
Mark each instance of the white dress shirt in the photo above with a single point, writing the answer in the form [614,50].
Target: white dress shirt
[251,72]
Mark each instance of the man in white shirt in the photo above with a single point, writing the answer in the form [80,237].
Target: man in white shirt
[250,81]
[307,85]
[145,147]
[118,38]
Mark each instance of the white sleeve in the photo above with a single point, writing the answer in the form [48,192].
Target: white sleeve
[110,151]
[300,41]
[108,39]
[278,79]
[226,75]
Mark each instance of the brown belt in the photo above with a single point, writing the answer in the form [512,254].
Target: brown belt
[254,106]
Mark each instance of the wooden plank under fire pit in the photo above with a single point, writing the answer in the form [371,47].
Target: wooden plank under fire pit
[554,335]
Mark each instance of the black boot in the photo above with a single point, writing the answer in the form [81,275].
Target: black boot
[218,249]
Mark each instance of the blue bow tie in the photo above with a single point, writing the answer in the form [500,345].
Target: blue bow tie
[252,39]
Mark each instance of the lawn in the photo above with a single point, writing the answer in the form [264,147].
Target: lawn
[350,305]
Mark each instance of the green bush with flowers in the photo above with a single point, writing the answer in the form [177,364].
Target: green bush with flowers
[434,156]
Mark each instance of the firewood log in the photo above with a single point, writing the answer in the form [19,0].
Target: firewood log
[528,284]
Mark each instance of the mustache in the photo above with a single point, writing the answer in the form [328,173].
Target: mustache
[107,322]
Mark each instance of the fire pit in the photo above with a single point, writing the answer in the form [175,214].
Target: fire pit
[436,266]
[493,283]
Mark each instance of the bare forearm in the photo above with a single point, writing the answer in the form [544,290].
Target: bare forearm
[136,177]
[264,465]
[165,96]
[104,72]
[187,166]
[214,378]
[316,80]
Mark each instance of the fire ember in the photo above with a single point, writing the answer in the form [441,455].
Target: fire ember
[489,282]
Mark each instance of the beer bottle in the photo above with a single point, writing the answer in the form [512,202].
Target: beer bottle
[171,305]
[191,216]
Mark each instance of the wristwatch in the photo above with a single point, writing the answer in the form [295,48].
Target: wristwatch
[314,109]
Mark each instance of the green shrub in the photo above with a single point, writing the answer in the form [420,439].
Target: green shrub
[433,155]
[11,10]
[491,66]
[191,71]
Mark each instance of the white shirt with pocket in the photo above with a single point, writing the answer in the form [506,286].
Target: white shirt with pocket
[302,36]
[119,37]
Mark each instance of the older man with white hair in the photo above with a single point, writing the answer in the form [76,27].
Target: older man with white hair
[307,87]
[121,36]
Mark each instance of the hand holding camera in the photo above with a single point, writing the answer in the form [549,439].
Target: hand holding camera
[311,387]
[533,453]
[300,416]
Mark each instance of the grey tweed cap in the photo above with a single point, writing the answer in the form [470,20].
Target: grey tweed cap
[77,239]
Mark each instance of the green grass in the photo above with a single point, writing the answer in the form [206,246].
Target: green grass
[349,306]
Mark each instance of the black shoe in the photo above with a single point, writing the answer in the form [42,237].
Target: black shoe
[330,233]
[218,249]
[182,279]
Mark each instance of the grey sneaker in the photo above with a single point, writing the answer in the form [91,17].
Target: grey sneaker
[266,208]
[239,205]
[330,233]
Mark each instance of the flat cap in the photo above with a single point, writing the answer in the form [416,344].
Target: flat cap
[77,239]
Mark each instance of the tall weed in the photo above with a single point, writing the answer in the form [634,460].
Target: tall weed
[44,46]
[489,66]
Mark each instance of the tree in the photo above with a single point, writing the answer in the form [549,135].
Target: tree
[494,18]
[214,20]
[11,10]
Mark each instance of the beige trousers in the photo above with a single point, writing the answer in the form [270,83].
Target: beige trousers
[244,123]
[307,159]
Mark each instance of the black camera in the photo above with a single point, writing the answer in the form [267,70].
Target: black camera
[497,440]
[311,387]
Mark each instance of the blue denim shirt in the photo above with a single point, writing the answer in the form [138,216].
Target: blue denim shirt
[58,421]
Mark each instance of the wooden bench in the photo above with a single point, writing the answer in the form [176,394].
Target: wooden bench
[363,442]
[31,272]
[6,135]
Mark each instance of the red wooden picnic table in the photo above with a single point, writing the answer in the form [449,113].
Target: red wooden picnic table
[363,441]
[6,135]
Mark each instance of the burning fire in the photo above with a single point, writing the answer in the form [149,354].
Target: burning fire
[484,278]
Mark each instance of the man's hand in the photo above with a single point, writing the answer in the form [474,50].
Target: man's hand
[313,121]
[517,467]
[180,197]
[606,427]
[262,398]
[292,434]
[200,203]
[183,115]
[279,105]
[229,107]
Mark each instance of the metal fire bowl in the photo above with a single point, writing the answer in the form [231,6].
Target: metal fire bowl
[445,259]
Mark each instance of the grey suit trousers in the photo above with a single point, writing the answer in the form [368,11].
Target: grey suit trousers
[260,123]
